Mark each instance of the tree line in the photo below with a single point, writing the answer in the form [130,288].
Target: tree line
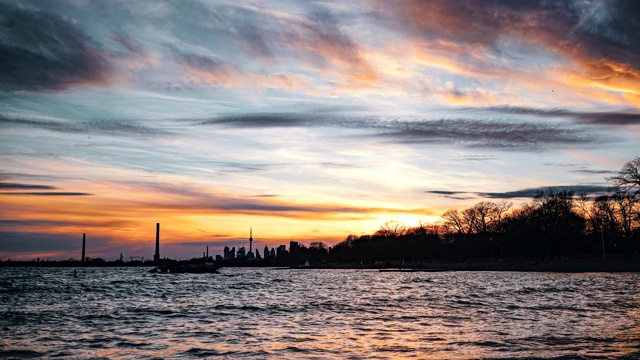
[555,223]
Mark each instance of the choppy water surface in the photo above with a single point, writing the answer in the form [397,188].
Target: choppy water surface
[268,313]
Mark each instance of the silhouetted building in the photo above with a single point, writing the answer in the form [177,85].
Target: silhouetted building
[282,249]
[219,258]
[241,254]
[266,252]
[293,245]
[250,256]
[83,243]
[272,253]
[156,257]
[229,254]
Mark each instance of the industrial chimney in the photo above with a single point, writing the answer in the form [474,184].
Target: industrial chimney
[156,257]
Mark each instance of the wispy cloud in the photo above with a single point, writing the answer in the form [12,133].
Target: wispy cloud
[17,186]
[236,112]
[44,51]
[84,223]
[48,193]
[631,117]
[466,132]
[339,165]
[213,203]
[261,120]
[601,38]
[455,195]
[193,199]
[10,189]
[476,157]
[489,134]
[531,192]
[100,127]
[518,194]
[590,171]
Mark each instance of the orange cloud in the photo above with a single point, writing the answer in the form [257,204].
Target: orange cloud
[126,213]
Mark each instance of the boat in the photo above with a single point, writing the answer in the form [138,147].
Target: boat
[412,270]
[204,268]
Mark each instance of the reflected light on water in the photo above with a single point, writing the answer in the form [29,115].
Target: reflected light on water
[330,314]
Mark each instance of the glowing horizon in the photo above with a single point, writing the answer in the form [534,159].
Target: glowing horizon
[307,120]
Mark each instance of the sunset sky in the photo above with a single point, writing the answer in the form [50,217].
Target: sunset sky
[308,120]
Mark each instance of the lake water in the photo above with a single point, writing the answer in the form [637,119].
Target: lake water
[321,314]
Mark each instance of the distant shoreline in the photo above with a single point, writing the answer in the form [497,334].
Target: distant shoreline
[560,266]
[568,266]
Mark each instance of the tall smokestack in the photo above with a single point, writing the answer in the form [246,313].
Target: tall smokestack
[156,257]
[207,251]
[83,243]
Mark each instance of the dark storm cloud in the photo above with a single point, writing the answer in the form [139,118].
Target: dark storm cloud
[44,51]
[102,127]
[593,118]
[523,193]
[465,132]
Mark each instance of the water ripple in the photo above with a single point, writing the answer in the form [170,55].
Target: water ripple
[126,313]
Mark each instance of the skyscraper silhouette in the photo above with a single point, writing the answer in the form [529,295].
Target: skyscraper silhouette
[250,238]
